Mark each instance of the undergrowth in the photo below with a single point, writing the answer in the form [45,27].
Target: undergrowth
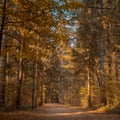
[109,109]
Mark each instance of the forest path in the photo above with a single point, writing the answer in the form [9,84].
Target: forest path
[58,112]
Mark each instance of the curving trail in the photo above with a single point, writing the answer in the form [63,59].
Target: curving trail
[58,112]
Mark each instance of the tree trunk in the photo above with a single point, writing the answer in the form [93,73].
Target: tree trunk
[41,94]
[19,75]
[89,89]
[2,59]
[103,99]
[36,78]
[7,79]
[33,90]
[2,80]
[2,24]
[19,85]
[61,89]
[102,83]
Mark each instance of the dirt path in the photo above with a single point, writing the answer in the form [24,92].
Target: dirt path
[58,112]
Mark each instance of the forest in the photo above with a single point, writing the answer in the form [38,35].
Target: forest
[60,51]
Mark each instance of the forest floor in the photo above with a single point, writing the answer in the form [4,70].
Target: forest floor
[58,112]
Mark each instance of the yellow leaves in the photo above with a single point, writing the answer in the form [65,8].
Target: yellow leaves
[16,1]
[69,66]
[105,22]
[80,50]
[77,4]
[117,46]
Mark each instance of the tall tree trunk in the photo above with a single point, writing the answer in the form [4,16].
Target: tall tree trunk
[19,86]
[36,77]
[2,59]
[2,80]
[19,77]
[41,101]
[33,94]
[103,99]
[7,78]
[89,89]
[2,24]
[61,94]
[35,90]
[102,82]
[3,74]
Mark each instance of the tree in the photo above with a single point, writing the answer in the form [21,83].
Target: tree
[2,56]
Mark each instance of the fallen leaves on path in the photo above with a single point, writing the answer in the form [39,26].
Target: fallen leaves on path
[58,112]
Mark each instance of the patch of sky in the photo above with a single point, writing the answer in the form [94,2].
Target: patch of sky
[53,28]
[55,12]
[72,41]
[65,13]
[74,29]
[60,3]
